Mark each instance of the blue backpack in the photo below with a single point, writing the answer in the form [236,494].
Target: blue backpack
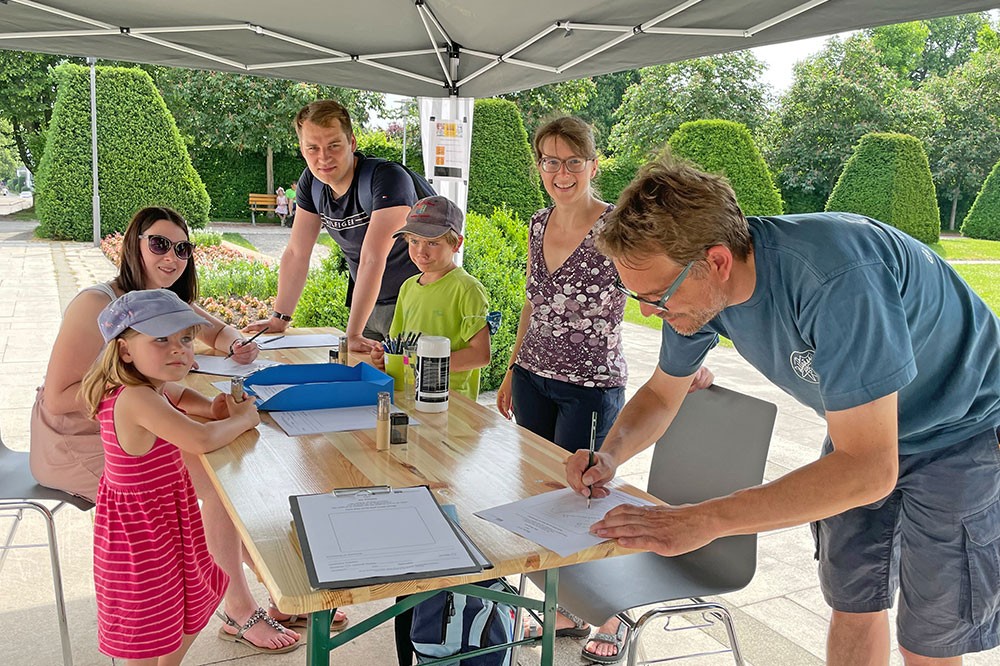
[449,624]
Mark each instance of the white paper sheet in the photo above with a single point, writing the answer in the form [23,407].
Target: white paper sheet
[381,536]
[558,520]
[297,341]
[227,367]
[337,419]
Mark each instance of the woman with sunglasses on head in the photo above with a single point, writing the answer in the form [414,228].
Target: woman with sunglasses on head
[66,449]
[567,360]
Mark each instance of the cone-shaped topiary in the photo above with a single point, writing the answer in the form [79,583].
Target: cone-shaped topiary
[888,178]
[142,160]
[725,147]
[983,219]
[613,176]
[501,166]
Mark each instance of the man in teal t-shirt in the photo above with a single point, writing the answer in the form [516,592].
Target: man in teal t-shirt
[879,336]
[442,299]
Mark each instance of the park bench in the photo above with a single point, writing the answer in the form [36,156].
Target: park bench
[261,203]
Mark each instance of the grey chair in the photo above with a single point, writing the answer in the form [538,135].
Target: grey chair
[20,492]
[716,445]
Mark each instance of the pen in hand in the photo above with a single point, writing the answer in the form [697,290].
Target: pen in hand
[232,350]
[590,458]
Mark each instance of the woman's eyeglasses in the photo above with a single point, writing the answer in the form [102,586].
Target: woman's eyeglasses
[553,164]
[662,303]
[161,245]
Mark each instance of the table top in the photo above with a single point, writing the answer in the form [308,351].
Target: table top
[469,455]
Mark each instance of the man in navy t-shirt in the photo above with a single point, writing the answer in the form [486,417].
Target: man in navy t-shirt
[873,331]
[327,197]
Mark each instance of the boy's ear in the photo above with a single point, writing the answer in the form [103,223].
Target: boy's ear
[123,352]
[458,245]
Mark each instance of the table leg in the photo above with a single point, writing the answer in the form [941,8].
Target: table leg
[318,640]
[549,618]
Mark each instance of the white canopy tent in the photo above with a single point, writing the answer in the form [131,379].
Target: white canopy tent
[435,48]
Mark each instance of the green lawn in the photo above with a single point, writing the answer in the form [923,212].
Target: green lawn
[326,239]
[26,215]
[237,239]
[956,247]
[984,280]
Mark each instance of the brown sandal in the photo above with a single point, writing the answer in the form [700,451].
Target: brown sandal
[338,622]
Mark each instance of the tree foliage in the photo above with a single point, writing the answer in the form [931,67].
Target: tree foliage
[950,43]
[600,109]
[727,86]
[964,148]
[725,147]
[556,99]
[983,220]
[501,165]
[142,160]
[888,178]
[242,112]
[839,94]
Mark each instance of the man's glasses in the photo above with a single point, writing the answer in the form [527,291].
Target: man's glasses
[161,245]
[662,303]
[553,164]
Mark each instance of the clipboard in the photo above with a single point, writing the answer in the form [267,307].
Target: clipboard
[320,386]
[356,537]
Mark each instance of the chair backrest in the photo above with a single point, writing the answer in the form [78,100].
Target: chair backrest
[716,445]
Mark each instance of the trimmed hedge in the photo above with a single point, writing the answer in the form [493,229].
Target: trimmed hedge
[613,175]
[888,178]
[501,166]
[725,147]
[322,302]
[983,220]
[142,160]
[496,253]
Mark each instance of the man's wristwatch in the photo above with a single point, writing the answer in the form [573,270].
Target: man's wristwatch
[282,317]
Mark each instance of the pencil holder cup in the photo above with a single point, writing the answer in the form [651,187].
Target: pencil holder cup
[394,368]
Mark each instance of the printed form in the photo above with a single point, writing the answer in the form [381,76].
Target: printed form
[364,538]
[560,519]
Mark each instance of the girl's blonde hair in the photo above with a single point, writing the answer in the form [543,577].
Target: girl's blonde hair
[108,372]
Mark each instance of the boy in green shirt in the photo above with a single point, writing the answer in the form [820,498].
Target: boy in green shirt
[442,299]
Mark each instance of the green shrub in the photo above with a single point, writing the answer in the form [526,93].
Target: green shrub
[725,147]
[496,254]
[501,166]
[204,238]
[142,160]
[613,175]
[322,302]
[231,175]
[888,178]
[983,220]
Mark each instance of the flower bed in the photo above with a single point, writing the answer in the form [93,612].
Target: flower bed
[226,277]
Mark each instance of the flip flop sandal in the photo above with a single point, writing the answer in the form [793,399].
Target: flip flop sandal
[617,639]
[580,629]
[259,615]
[339,621]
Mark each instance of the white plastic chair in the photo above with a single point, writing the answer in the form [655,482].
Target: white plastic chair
[20,492]
[716,445]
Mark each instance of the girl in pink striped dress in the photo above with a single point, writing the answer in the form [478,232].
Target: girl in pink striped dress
[157,585]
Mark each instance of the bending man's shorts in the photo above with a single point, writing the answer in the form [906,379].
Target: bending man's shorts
[935,538]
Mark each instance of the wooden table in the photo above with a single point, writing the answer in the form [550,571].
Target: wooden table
[469,455]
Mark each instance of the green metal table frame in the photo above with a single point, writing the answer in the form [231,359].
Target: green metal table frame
[321,643]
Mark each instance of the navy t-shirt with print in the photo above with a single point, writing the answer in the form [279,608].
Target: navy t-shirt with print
[347,222]
[847,310]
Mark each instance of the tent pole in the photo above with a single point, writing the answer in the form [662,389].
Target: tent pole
[96,202]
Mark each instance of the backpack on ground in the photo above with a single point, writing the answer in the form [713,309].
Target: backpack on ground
[448,624]
[366,174]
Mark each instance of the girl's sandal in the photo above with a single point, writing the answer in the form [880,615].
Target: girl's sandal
[338,622]
[617,639]
[259,615]
[580,629]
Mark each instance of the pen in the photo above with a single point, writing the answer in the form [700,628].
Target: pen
[590,458]
[267,342]
[257,335]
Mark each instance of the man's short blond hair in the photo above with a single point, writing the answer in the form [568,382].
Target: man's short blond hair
[672,208]
[324,112]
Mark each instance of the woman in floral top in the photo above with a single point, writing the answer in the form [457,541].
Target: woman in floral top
[567,360]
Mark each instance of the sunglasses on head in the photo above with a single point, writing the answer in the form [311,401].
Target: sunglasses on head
[161,245]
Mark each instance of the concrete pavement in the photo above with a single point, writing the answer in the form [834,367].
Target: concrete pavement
[780,618]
